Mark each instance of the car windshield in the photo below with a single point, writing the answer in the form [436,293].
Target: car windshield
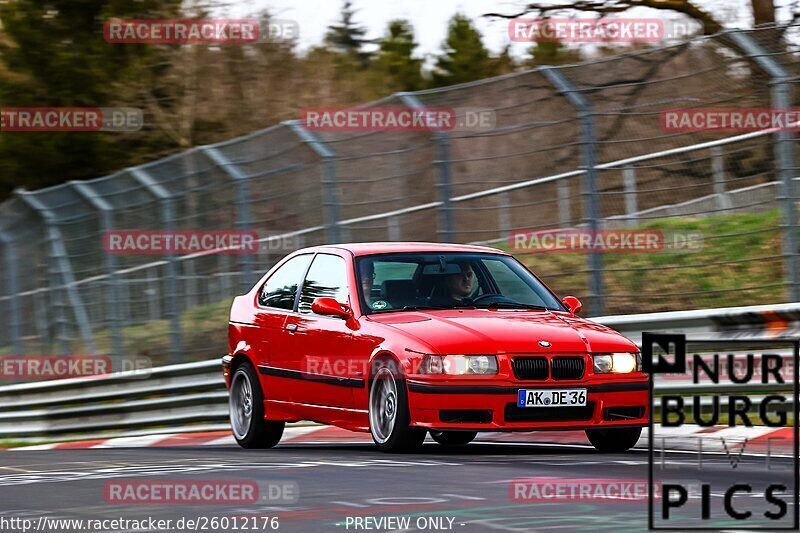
[407,281]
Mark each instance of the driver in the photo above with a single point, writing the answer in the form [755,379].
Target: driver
[458,287]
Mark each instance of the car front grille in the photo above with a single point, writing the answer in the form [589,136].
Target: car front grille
[568,367]
[560,367]
[530,367]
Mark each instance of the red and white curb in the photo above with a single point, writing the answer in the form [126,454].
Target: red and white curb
[687,437]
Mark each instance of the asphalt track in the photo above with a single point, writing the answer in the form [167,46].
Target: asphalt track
[468,489]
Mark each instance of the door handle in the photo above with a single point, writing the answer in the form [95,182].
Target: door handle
[291,327]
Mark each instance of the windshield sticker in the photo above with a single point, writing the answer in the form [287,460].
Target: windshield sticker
[380,304]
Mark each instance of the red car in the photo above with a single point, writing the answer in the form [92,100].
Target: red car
[402,339]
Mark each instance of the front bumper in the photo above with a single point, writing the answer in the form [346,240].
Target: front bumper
[492,407]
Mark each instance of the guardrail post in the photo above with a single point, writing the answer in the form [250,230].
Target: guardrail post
[113,299]
[61,271]
[171,283]
[781,99]
[12,286]
[445,179]
[718,172]
[243,220]
[631,203]
[589,159]
[330,192]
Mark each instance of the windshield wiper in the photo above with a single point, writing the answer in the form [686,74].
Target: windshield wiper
[514,305]
[423,307]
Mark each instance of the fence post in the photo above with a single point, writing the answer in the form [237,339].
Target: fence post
[631,203]
[718,172]
[153,305]
[244,219]
[445,178]
[589,160]
[330,193]
[564,212]
[61,272]
[504,214]
[393,228]
[12,285]
[168,220]
[781,98]
[113,299]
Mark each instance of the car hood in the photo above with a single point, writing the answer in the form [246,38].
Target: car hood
[502,331]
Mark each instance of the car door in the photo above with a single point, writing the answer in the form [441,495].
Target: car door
[323,349]
[276,301]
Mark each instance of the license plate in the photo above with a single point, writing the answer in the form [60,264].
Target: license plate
[551,398]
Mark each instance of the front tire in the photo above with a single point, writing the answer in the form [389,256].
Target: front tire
[389,417]
[246,403]
[454,438]
[614,440]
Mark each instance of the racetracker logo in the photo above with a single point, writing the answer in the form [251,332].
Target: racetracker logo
[602,30]
[399,119]
[730,120]
[180,242]
[199,492]
[606,241]
[119,119]
[550,489]
[208,31]
[53,367]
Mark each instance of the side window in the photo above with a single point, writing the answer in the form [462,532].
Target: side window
[281,287]
[326,277]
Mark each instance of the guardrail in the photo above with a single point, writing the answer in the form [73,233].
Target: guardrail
[192,396]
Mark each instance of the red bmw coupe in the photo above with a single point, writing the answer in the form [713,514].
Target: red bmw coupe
[402,339]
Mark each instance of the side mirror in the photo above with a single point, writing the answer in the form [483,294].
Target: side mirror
[330,307]
[573,304]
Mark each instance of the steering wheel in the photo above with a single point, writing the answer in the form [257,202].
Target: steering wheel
[488,296]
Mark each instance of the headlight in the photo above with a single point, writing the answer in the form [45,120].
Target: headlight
[617,363]
[458,365]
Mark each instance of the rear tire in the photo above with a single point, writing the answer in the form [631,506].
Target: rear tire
[389,416]
[614,440]
[454,438]
[246,402]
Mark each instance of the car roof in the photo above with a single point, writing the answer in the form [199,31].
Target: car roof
[371,248]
